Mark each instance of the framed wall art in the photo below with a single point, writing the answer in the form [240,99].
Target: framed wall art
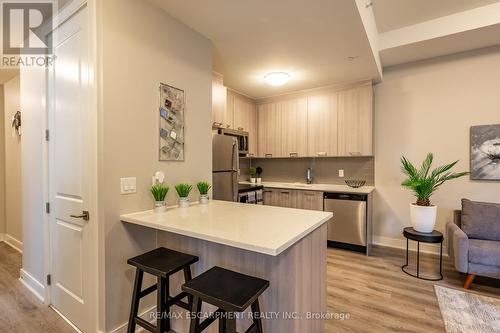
[485,152]
[171,133]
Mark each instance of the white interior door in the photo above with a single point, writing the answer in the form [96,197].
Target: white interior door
[70,156]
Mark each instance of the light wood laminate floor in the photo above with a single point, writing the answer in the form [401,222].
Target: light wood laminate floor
[379,297]
[373,291]
[20,311]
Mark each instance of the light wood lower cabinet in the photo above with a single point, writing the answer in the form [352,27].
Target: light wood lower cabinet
[312,200]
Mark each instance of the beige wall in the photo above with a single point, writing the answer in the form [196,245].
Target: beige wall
[2,167]
[141,47]
[429,107]
[12,104]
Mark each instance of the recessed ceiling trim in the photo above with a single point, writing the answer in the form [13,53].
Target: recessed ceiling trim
[452,24]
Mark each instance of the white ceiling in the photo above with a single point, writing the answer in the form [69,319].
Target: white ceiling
[310,39]
[395,14]
[7,74]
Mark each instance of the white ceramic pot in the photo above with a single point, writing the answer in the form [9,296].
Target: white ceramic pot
[253,180]
[423,218]
[259,180]
[204,199]
[160,207]
[184,202]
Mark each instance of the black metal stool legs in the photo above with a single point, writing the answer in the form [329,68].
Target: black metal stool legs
[256,316]
[194,326]
[134,308]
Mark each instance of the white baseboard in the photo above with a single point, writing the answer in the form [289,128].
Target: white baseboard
[13,243]
[399,243]
[37,288]
[65,319]
[123,327]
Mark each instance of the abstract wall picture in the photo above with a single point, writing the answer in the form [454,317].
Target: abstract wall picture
[171,112]
[485,152]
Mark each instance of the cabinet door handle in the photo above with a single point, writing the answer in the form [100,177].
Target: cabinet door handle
[285,192]
[268,155]
[294,154]
[321,153]
[355,153]
[309,194]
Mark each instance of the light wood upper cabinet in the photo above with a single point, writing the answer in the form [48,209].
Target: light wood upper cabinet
[294,127]
[322,125]
[245,118]
[355,122]
[219,95]
[269,130]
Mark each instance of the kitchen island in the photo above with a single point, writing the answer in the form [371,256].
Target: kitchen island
[285,246]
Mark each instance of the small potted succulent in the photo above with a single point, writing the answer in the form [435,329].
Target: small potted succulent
[203,188]
[424,182]
[253,172]
[159,192]
[183,191]
[259,174]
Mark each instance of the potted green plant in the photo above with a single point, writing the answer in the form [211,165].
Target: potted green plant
[203,188]
[159,192]
[253,172]
[183,191]
[259,174]
[424,182]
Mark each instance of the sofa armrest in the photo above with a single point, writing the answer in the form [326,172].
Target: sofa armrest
[458,247]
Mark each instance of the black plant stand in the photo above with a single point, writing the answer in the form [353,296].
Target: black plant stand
[421,237]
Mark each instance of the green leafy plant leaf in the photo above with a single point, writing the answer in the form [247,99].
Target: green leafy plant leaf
[183,190]
[424,182]
[203,187]
[159,191]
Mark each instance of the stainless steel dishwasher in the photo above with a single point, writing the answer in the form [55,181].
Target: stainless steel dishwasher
[347,228]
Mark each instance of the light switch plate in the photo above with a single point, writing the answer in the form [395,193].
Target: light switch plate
[128,185]
[341,173]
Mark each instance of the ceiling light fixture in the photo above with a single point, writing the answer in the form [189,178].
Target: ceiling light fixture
[276,79]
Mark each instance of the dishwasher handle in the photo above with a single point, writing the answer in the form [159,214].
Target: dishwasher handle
[345,196]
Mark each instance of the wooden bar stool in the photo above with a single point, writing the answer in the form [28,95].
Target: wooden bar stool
[231,292]
[161,263]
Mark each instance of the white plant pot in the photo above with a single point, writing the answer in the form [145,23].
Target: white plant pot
[160,207]
[184,202]
[253,180]
[423,218]
[259,180]
[204,199]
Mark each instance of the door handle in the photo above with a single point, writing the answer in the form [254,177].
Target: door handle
[85,216]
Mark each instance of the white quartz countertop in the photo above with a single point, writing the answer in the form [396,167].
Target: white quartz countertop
[318,187]
[264,229]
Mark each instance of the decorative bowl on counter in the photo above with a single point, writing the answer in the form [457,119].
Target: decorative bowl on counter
[355,183]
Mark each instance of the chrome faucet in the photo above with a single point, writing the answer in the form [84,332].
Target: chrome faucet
[309,176]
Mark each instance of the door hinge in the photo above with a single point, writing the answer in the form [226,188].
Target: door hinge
[47,135]
[49,279]
[47,207]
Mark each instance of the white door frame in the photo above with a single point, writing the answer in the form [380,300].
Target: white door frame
[59,18]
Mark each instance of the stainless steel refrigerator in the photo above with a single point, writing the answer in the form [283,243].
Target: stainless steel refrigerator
[225,154]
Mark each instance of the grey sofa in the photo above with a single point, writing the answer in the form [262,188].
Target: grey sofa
[474,240]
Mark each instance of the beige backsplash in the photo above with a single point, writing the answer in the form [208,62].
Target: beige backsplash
[325,169]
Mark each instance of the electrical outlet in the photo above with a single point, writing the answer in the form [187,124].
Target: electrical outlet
[128,185]
[341,173]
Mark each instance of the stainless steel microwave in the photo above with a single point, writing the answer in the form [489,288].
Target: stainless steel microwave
[241,136]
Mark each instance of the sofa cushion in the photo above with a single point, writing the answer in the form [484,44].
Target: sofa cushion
[484,252]
[481,220]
